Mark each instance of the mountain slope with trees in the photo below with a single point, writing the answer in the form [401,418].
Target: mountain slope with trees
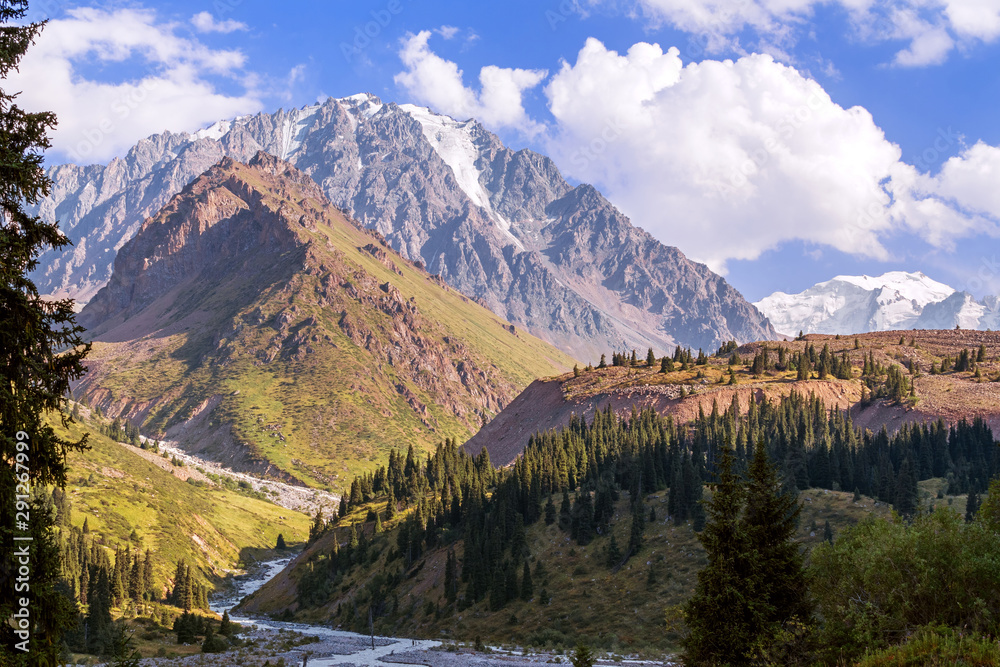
[885,379]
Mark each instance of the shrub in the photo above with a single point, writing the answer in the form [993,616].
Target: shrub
[883,579]
[937,646]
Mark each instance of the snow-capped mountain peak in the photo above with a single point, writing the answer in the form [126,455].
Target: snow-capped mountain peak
[894,300]
[452,141]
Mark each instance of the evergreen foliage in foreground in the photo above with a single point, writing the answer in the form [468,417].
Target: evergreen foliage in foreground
[34,332]
[754,584]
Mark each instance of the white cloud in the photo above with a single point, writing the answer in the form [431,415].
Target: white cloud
[931,27]
[436,82]
[205,22]
[723,159]
[729,159]
[169,87]
[447,31]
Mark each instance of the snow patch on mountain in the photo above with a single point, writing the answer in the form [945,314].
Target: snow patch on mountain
[215,131]
[894,300]
[295,127]
[452,141]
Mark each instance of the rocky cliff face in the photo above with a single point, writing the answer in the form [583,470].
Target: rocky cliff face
[502,226]
[253,323]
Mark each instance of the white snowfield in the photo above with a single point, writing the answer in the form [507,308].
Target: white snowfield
[452,141]
[894,300]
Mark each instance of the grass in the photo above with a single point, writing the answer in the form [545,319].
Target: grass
[339,403]
[116,491]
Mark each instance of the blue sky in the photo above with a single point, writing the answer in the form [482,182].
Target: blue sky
[780,142]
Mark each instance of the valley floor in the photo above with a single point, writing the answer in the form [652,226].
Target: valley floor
[272,647]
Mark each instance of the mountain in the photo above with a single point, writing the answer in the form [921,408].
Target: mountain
[128,495]
[894,300]
[502,226]
[254,324]
[551,403]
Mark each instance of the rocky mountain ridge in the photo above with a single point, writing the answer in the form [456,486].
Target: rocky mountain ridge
[254,324]
[502,226]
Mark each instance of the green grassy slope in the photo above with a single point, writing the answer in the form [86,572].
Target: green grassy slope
[317,360]
[117,491]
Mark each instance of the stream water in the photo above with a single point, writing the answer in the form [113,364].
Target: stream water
[246,585]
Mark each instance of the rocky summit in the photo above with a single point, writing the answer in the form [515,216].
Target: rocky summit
[251,322]
[502,226]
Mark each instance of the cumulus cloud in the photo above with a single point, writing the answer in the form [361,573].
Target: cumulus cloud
[430,79]
[930,27]
[205,22]
[173,87]
[729,159]
[723,159]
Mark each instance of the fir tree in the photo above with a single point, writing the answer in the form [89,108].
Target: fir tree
[280,544]
[906,496]
[527,587]
[41,353]
[550,512]
[614,552]
[638,526]
[604,363]
[770,520]
[650,358]
[451,577]
[582,657]
[971,506]
[719,614]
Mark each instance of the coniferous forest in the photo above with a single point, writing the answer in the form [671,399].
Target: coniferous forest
[575,476]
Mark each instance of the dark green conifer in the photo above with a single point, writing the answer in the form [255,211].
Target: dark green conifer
[527,587]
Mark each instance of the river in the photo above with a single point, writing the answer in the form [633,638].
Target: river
[384,646]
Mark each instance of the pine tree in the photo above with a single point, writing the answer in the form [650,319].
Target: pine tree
[451,577]
[614,553]
[650,358]
[527,587]
[280,543]
[147,576]
[550,512]
[41,352]
[770,520]
[604,363]
[317,527]
[971,506]
[754,582]
[638,526]
[390,506]
[906,494]
[582,657]
[719,615]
